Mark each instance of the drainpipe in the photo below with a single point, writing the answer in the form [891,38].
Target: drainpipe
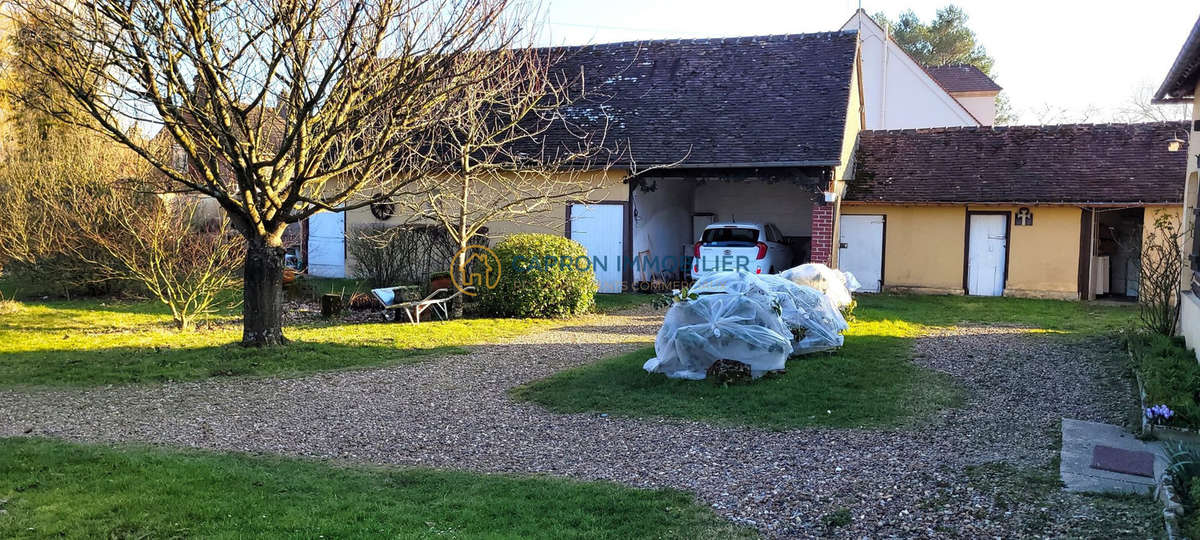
[887,52]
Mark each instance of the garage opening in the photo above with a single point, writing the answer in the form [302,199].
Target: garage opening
[1117,261]
[672,208]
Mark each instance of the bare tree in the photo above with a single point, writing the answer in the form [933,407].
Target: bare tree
[280,109]
[1048,113]
[39,178]
[1139,108]
[164,245]
[511,147]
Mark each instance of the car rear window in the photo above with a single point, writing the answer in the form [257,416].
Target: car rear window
[730,236]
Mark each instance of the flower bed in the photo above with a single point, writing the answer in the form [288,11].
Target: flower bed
[1169,381]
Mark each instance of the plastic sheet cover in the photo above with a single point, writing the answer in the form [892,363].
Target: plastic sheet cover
[805,307]
[832,283]
[747,318]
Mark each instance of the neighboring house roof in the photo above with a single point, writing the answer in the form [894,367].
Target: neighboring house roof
[1180,83]
[962,78]
[1074,163]
[748,101]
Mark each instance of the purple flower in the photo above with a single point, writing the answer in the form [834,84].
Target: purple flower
[1159,413]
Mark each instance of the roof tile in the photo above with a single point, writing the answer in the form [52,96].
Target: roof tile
[962,78]
[1073,163]
[761,99]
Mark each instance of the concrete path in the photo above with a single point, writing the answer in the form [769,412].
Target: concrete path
[1079,438]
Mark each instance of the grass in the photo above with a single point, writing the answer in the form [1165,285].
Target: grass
[1033,501]
[1080,318]
[1169,375]
[870,382]
[613,302]
[343,286]
[91,342]
[50,489]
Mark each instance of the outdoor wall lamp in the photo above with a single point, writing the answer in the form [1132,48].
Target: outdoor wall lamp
[1174,143]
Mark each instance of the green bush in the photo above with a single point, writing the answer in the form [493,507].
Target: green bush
[531,286]
[1183,463]
[1170,375]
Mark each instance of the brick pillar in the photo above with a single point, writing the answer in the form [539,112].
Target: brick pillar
[822,233]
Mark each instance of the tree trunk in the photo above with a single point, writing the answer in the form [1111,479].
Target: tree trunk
[456,304]
[262,307]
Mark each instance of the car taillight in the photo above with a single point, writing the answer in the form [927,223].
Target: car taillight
[762,251]
[696,250]
[758,270]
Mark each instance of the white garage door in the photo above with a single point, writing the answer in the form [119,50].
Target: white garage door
[326,244]
[600,228]
[860,250]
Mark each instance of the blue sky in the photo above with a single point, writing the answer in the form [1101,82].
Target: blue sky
[1058,60]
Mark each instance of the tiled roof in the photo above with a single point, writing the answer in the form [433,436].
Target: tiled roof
[1077,163]
[1181,80]
[962,78]
[765,100]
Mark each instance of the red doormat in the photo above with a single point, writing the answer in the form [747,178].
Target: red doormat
[1107,458]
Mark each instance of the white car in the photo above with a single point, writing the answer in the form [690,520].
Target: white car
[754,247]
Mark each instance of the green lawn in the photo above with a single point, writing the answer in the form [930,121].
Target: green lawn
[609,303]
[869,382]
[93,342]
[55,489]
[90,342]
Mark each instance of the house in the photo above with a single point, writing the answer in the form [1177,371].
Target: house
[900,93]
[756,128]
[1054,211]
[1182,85]
[971,88]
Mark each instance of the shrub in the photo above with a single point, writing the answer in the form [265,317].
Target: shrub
[1158,285]
[1183,464]
[838,518]
[848,311]
[160,249]
[1170,376]
[389,256]
[529,286]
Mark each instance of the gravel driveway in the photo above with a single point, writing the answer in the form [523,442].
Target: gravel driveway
[453,412]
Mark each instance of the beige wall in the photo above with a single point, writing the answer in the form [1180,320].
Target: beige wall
[550,221]
[923,246]
[1189,317]
[1191,186]
[1175,212]
[926,245]
[854,124]
[981,105]
[1044,258]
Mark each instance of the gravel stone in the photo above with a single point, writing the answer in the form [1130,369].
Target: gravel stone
[453,412]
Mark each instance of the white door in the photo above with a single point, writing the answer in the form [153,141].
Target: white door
[326,244]
[985,255]
[860,250]
[699,222]
[600,228]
